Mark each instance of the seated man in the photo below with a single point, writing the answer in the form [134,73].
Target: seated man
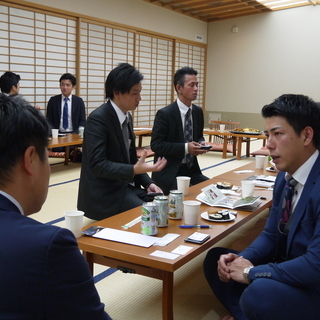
[278,276]
[42,272]
[66,111]
[112,180]
[177,134]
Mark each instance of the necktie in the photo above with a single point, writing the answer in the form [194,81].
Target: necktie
[125,133]
[65,114]
[188,136]
[287,203]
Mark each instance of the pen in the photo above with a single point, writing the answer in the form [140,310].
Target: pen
[263,198]
[195,226]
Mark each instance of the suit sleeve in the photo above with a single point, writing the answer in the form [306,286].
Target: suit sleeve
[165,137]
[198,137]
[82,119]
[71,293]
[50,111]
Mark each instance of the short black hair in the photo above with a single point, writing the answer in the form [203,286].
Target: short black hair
[121,79]
[299,111]
[69,76]
[21,126]
[8,80]
[180,74]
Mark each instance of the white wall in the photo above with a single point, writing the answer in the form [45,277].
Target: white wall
[272,54]
[135,13]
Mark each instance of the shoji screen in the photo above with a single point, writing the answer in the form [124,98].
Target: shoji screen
[102,49]
[39,47]
[193,56]
[154,59]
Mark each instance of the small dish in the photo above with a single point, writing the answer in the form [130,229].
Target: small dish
[204,215]
[271,169]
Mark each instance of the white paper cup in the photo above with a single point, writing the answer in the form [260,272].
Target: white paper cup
[191,211]
[260,162]
[54,133]
[183,184]
[81,131]
[247,188]
[74,221]
[222,127]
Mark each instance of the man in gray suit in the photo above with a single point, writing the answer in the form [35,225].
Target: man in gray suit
[112,179]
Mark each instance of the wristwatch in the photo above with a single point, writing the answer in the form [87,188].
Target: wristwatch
[246,274]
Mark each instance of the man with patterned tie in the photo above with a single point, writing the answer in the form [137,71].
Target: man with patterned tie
[112,179]
[278,276]
[66,111]
[177,134]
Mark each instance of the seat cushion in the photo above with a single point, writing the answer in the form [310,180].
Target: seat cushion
[56,154]
[261,152]
[219,147]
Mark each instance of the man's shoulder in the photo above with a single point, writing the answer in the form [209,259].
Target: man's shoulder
[169,107]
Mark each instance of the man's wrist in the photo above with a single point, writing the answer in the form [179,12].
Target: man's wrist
[246,271]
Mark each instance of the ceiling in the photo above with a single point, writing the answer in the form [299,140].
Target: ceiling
[215,10]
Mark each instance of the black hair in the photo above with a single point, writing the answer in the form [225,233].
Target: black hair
[180,74]
[8,80]
[121,79]
[299,111]
[69,76]
[21,126]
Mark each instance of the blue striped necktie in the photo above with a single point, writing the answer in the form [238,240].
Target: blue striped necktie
[65,114]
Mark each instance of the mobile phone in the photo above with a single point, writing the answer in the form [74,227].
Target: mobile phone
[206,147]
[197,237]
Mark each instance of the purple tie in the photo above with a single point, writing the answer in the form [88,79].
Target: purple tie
[188,136]
[287,202]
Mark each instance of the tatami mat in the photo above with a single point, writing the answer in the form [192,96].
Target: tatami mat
[135,297]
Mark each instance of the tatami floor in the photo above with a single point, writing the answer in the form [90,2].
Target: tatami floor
[135,297]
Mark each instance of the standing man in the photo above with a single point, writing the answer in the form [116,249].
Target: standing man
[66,111]
[177,134]
[9,83]
[111,176]
[42,272]
[278,276]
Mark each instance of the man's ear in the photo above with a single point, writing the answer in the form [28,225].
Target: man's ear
[308,135]
[29,158]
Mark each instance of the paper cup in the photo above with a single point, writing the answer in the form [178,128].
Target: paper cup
[74,221]
[247,188]
[222,127]
[191,211]
[54,133]
[183,184]
[81,131]
[260,162]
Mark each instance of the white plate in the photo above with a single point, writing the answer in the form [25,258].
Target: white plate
[270,170]
[204,215]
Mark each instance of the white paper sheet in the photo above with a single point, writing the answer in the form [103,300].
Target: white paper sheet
[126,237]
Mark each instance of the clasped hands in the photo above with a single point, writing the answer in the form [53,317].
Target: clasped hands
[231,266]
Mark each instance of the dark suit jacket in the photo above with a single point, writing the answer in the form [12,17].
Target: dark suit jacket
[106,169]
[78,112]
[302,267]
[42,273]
[168,141]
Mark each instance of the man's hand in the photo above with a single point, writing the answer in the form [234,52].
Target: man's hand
[236,268]
[142,167]
[194,148]
[223,266]
[154,188]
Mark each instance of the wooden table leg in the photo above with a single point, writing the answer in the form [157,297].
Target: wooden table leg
[67,154]
[167,296]
[225,145]
[239,148]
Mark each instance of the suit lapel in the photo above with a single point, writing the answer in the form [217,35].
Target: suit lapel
[300,209]
[177,120]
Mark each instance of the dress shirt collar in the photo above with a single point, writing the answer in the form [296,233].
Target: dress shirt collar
[301,175]
[13,200]
[182,107]
[120,114]
[63,97]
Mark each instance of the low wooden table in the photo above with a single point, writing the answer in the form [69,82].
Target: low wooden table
[142,132]
[65,141]
[134,259]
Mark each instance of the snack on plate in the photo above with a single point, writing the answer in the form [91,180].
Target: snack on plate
[246,130]
[224,185]
[225,215]
[215,216]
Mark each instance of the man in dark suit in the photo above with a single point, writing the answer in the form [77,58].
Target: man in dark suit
[66,111]
[169,134]
[42,272]
[278,276]
[112,180]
